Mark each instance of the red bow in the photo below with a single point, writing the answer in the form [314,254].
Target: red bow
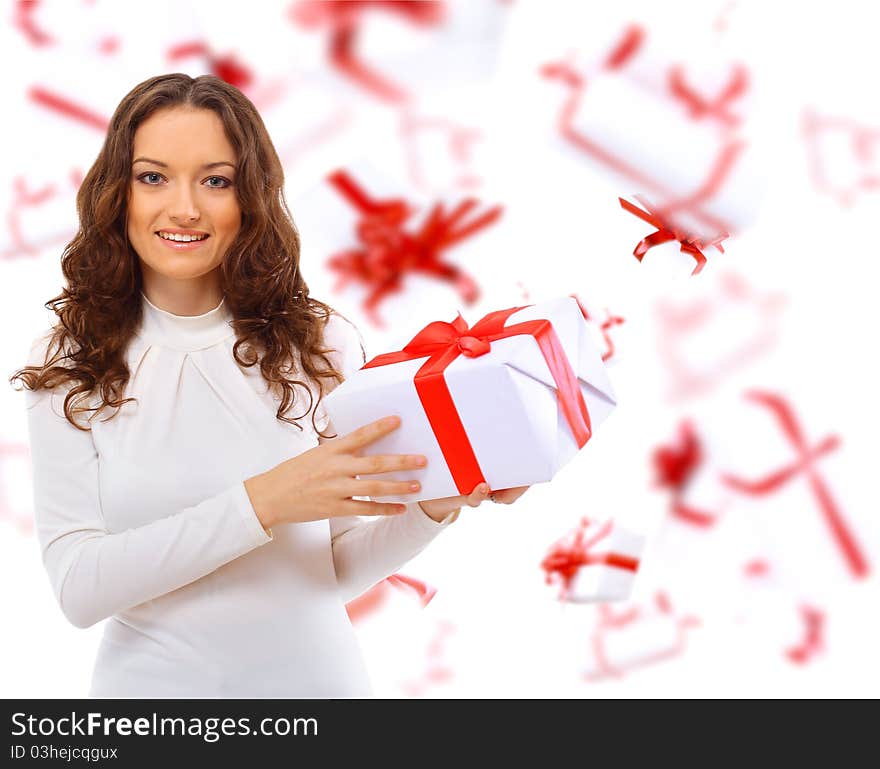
[387,251]
[690,244]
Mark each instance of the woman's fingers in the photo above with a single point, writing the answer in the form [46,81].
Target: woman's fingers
[375,488]
[478,495]
[362,507]
[386,463]
[509,496]
[366,435]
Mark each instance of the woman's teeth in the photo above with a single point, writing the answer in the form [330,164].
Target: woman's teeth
[181,238]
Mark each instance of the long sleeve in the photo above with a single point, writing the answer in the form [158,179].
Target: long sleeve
[366,550]
[95,573]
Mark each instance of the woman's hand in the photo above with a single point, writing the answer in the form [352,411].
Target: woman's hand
[438,509]
[320,482]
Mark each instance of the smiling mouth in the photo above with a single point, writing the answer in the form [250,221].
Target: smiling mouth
[170,240]
[182,245]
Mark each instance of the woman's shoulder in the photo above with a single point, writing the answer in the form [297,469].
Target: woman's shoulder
[46,352]
[345,343]
[340,330]
[43,349]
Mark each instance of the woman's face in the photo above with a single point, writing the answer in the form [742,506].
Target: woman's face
[185,182]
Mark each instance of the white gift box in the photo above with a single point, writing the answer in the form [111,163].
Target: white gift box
[638,636]
[605,558]
[843,159]
[677,127]
[681,157]
[506,401]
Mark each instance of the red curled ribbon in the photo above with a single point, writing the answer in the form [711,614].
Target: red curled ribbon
[424,592]
[689,244]
[443,343]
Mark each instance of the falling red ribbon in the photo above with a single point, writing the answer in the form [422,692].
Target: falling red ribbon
[442,343]
[423,591]
[23,18]
[611,320]
[64,106]
[701,107]
[632,39]
[813,640]
[344,22]
[675,466]
[388,252]
[370,601]
[846,541]
[690,244]
[226,66]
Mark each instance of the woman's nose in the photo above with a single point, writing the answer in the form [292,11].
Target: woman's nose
[183,207]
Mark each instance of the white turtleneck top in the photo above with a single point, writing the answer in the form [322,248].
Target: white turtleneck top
[145,522]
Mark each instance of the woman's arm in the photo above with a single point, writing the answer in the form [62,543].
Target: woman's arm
[95,574]
[367,551]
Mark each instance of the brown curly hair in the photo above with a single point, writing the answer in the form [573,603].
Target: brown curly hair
[275,320]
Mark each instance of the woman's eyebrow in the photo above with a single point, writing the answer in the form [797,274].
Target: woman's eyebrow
[165,165]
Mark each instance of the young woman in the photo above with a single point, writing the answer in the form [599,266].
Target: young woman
[220,537]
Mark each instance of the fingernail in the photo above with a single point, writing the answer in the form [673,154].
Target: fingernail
[415,486]
[421,461]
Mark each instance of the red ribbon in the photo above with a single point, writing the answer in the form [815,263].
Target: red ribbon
[676,464]
[443,343]
[813,641]
[424,591]
[845,538]
[689,243]
[612,320]
[699,106]
[387,251]
[626,48]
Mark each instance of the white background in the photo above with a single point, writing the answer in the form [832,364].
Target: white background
[562,231]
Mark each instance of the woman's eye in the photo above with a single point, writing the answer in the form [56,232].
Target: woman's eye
[220,178]
[143,176]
